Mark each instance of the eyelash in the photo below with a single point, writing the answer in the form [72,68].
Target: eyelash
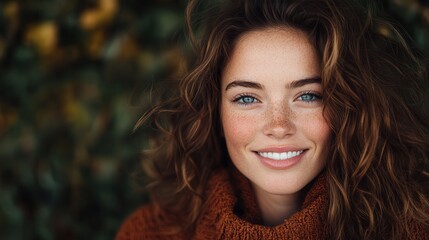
[240,98]
[315,96]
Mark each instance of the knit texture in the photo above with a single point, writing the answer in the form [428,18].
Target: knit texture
[231,212]
[231,217]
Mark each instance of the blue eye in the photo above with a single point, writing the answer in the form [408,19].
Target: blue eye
[309,97]
[245,99]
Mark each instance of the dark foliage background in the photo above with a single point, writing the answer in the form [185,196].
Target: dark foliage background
[75,76]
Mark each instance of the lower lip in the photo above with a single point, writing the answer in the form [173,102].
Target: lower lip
[280,164]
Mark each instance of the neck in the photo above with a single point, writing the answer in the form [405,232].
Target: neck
[276,208]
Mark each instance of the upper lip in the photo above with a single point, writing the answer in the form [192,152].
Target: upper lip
[280,149]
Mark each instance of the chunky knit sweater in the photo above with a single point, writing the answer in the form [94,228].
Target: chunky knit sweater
[231,212]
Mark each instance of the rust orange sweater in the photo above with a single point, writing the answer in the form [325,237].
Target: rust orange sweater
[231,212]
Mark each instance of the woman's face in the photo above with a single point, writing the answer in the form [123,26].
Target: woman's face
[271,110]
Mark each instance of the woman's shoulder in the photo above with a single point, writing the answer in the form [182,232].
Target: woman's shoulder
[146,222]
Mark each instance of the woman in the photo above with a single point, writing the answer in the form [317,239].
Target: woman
[299,120]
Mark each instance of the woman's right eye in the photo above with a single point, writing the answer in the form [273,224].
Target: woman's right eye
[245,100]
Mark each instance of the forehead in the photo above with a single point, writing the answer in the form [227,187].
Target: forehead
[272,53]
[273,34]
[283,40]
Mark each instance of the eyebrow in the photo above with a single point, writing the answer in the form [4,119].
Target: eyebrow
[246,84]
[294,84]
[305,81]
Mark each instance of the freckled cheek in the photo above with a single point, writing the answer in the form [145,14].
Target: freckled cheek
[239,127]
[315,127]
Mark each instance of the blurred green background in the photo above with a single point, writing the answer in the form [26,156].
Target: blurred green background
[75,75]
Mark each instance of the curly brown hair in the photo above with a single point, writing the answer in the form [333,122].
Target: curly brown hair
[374,94]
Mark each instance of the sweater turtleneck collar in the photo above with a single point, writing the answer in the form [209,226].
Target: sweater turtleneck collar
[231,211]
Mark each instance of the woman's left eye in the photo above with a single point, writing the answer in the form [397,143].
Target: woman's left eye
[309,97]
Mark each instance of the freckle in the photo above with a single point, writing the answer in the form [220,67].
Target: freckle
[284,118]
[290,115]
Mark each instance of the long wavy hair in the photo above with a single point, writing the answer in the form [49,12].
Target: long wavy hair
[374,94]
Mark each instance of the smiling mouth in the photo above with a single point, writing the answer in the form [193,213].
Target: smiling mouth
[280,155]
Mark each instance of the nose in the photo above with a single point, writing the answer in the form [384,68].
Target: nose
[279,121]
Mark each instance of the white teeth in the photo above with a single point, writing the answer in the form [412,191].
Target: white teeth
[280,156]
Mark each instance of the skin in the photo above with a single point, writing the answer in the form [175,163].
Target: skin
[272,102]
